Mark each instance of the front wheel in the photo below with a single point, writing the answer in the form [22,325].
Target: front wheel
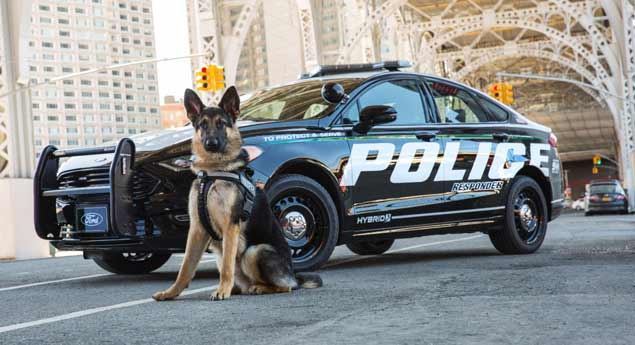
[370,247]
[525,219]
[131,263]
[308,218]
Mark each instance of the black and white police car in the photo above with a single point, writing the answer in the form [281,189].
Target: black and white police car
[357,154]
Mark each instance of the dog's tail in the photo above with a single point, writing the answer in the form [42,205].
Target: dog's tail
[308,280]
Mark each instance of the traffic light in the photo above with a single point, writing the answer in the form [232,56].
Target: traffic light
[597,160]
[219,78]
[495,91]
[203,79]
[503,92]
[210,78]
[595,170]
[508,94]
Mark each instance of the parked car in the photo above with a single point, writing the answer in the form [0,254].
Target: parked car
[578,204]
[606,196]
[358,155]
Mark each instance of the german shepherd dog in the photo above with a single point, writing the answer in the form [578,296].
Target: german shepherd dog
[253,255]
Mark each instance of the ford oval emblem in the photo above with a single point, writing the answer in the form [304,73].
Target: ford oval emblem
[92,219]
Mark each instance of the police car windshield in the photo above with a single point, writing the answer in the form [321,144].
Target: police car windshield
[298,101]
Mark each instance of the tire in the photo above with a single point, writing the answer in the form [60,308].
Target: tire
[131,263]
[526,217]
[297,198]
[370,247]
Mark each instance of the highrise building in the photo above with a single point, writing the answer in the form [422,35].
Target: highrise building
[75,36]
[272,49]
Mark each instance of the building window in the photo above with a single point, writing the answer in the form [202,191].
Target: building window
[87,94]
[87,106]
[86,82]
[47,45]
[62,9]
[69,94]
[71,118]
[53,118]
[51,106]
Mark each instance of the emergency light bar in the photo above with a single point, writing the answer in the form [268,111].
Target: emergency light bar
[325,70]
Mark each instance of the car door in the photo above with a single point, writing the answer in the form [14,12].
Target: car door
[391,169]
[471,139]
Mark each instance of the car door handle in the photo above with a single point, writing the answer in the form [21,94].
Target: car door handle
[425,135]
[501,136]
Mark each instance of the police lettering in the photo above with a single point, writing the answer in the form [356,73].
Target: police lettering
[508,159]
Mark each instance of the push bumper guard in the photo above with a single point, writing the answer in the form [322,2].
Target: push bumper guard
[47,189]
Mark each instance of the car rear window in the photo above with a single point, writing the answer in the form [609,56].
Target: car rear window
[605,188]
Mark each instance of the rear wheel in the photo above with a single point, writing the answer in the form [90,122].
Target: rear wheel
[308,218]
[525,219]
[131,263]
[370,247]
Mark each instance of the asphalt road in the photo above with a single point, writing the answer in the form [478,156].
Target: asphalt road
[578,289]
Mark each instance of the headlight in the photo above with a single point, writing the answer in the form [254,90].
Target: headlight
[253,151]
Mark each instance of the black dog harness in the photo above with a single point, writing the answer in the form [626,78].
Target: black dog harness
[244,184]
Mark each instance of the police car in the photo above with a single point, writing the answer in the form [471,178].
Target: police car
[355,155]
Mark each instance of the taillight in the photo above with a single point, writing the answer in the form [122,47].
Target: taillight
[553,140]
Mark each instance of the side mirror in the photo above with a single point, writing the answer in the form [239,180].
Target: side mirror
[374,115]
[333,92]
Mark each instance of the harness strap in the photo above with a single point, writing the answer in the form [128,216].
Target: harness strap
[245,186]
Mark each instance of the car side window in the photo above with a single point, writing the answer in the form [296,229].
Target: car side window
[496,112]
[403,95]
[456,105]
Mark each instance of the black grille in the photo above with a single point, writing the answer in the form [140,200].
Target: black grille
[85,178]
[143,184]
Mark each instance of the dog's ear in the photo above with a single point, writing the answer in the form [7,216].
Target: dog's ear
[231,103]
[193,105]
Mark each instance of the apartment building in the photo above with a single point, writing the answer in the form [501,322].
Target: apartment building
[75,36]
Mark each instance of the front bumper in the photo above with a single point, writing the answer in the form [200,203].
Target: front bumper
[126,229]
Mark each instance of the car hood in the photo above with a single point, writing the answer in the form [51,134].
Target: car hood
[163,143]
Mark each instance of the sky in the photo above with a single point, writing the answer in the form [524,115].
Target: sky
[171,36]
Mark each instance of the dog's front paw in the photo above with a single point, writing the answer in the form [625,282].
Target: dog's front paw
[163,296]
[221,294]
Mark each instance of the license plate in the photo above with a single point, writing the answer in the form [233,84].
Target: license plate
[606,198]
[92,218]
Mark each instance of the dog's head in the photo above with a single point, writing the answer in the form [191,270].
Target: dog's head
[216,133]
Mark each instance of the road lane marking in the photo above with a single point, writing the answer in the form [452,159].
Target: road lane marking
[357,258]
[69,279]
[91,311]
[53,281]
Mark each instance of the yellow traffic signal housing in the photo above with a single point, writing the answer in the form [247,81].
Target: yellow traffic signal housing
[597,160]
[203,79]
[495,90]
[210,78]
[508,94]
[595,170]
